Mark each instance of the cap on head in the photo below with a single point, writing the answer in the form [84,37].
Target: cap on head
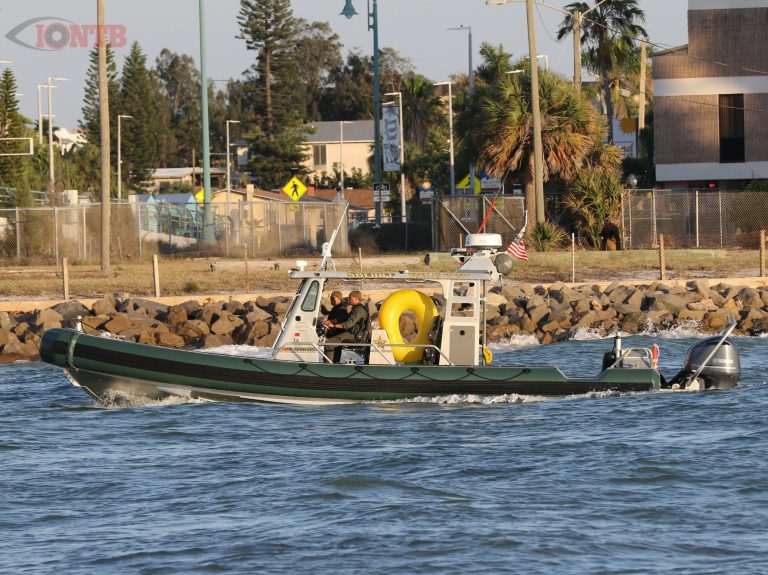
[356,294]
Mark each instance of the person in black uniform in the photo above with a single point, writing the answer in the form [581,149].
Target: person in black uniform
[351,330]
[338,314]
[610,237]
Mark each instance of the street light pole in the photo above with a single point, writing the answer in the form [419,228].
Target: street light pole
[209,235]
[120,155]
[538,149]
[470,88]
[40,115]
[403,216]
[51,175]
[341,159]
[373,24]
[450,131]
[229,186]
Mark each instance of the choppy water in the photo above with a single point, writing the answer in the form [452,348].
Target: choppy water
[639,483]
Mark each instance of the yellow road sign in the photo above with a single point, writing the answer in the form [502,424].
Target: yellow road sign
[200,196]
[464,184]
[294,189]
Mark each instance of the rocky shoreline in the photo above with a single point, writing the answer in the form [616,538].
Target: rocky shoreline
[550,313]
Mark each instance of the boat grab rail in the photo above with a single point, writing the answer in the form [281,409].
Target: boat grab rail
[644,353]
[378,347]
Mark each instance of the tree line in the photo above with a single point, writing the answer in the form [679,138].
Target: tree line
[299,75]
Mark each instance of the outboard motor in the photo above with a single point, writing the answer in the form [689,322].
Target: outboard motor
[714,361]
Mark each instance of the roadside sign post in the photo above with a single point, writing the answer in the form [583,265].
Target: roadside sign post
[380,194]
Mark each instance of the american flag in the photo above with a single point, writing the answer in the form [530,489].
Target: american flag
[517,249]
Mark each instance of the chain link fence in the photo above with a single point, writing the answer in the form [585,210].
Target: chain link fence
[694,218]
[243,247]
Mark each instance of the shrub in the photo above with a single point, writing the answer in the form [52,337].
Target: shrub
[547,236]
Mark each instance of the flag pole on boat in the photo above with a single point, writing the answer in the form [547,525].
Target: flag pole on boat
[327,256]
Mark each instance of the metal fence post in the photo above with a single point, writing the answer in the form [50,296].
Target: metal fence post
[629,209]
[662,259]
[138,226]
[720,214]
[18,235]
[156,275]
[226,229]
[653,209]
[245,260]
[85,235]
[573,257]
[65,278]
[56,233]
[697,216]
[762,253]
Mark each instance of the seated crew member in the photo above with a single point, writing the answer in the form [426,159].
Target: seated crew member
[352,329]
[337,315]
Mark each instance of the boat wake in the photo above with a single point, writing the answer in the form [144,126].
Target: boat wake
[472,399]
[118,400]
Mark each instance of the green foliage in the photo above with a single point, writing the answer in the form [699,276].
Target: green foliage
[547,236]
[497,128]
[12,125]
[594,199]
[138,99]
[190,287]
[269,28]
[177,81]
[273,162]
[350,93]
[90,123]
[609,38]
[317,52]
[422,110]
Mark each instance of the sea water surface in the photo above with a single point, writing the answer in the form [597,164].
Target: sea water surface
[668,483]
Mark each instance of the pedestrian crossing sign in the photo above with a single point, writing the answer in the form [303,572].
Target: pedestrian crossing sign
[294,189]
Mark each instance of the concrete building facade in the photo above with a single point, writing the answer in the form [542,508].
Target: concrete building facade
[711,98]
[325,147]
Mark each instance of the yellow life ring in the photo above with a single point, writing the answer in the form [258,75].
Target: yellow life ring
[389,319]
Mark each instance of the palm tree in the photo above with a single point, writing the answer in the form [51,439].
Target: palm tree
[422,109]
[495,63]
[609,40]
[498,129]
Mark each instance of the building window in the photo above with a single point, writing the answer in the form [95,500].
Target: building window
[731,128]
[318,155]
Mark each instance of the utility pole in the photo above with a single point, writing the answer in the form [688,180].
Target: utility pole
[538,149]
[104,135]
[577,51]
[643,58]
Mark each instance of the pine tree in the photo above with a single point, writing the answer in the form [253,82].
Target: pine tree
[137,99]
[278,99]
[90,124]
[177,82]
[269,28]
[12,125]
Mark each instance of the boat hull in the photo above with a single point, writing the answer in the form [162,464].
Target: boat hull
[101,365]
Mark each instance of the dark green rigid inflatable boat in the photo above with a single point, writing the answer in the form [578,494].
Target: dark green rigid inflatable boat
[101,364]
[447,357]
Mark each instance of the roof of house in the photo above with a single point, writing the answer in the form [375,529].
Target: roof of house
[677,50]
[358,198]
[358,131]
[173,173]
